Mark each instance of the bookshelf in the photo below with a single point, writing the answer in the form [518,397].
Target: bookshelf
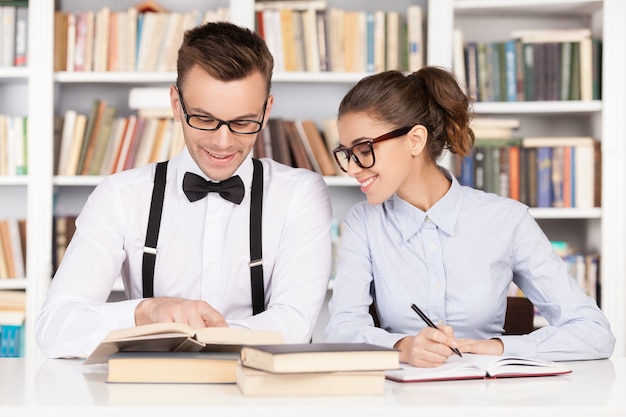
[598,230]
[43,94]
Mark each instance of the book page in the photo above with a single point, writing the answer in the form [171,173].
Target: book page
[237,336]
[472,366]
[150,329]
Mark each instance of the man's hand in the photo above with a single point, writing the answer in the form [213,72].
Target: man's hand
[196,313]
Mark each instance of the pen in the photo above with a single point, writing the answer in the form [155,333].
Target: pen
[431,324]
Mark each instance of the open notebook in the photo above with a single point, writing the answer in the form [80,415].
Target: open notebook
[472,366]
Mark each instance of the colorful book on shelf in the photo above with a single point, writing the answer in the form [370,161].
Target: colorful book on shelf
[164,337]
[60,40]
[256,383]
[7,40]
[11,340]
[115,138]
[102,140]
[415,33]
[21,37]
[4,272]
[173,367]
[67,135]
[472,366]
[135,142]
[310,37]
[77,144]
[296,145]
[320,151]
[319,357]
[280,143]
[7,248]
[581,167]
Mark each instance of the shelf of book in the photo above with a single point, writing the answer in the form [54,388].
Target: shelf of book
[593,230]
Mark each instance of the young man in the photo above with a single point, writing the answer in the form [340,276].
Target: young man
[254,252]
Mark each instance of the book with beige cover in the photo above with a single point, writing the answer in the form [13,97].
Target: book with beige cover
[180,337]
[255,383]
[173,367]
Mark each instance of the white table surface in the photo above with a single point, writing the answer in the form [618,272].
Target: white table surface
[65,387]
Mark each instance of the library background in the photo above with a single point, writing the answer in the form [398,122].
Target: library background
[83,94]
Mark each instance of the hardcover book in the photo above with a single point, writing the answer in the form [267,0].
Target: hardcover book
[255,383]
[473,366]
[173,367]
[319,357]
[164,337]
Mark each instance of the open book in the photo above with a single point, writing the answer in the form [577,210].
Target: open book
[179,337]
[472,366]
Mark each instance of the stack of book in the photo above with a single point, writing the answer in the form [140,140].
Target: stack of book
[312,369]
[176,353]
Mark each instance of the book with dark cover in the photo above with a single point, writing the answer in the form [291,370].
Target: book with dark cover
[319,357]
[281,151]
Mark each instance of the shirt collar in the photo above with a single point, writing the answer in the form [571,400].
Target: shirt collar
[185,163]
[444,213]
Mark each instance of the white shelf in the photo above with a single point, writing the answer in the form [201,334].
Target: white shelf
[11,74]
[540,8]
[77,180]
[115,77]
[170,77]
[13,284]
[318,77]
[566,213]
[539,107]
[18,180]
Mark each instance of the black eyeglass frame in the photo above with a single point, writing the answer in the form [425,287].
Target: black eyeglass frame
[221,122]
[349,152]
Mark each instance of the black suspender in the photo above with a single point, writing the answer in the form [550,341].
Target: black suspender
[256,247]
[152,234]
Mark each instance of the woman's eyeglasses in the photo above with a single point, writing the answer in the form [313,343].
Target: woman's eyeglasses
[363,152]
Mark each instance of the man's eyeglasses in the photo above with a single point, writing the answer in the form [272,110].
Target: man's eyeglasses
[363,152]
[239,126]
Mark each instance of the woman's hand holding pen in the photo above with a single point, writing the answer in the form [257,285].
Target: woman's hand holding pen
[430,348]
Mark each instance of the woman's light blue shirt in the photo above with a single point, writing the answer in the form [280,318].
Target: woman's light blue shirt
[456,261]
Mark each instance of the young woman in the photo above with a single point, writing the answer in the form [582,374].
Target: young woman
[422,238]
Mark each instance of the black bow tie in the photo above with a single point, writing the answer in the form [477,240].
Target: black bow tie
[196,187]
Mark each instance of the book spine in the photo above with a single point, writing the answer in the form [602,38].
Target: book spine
[544,177]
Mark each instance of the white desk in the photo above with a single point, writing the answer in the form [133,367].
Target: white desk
[66,388]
